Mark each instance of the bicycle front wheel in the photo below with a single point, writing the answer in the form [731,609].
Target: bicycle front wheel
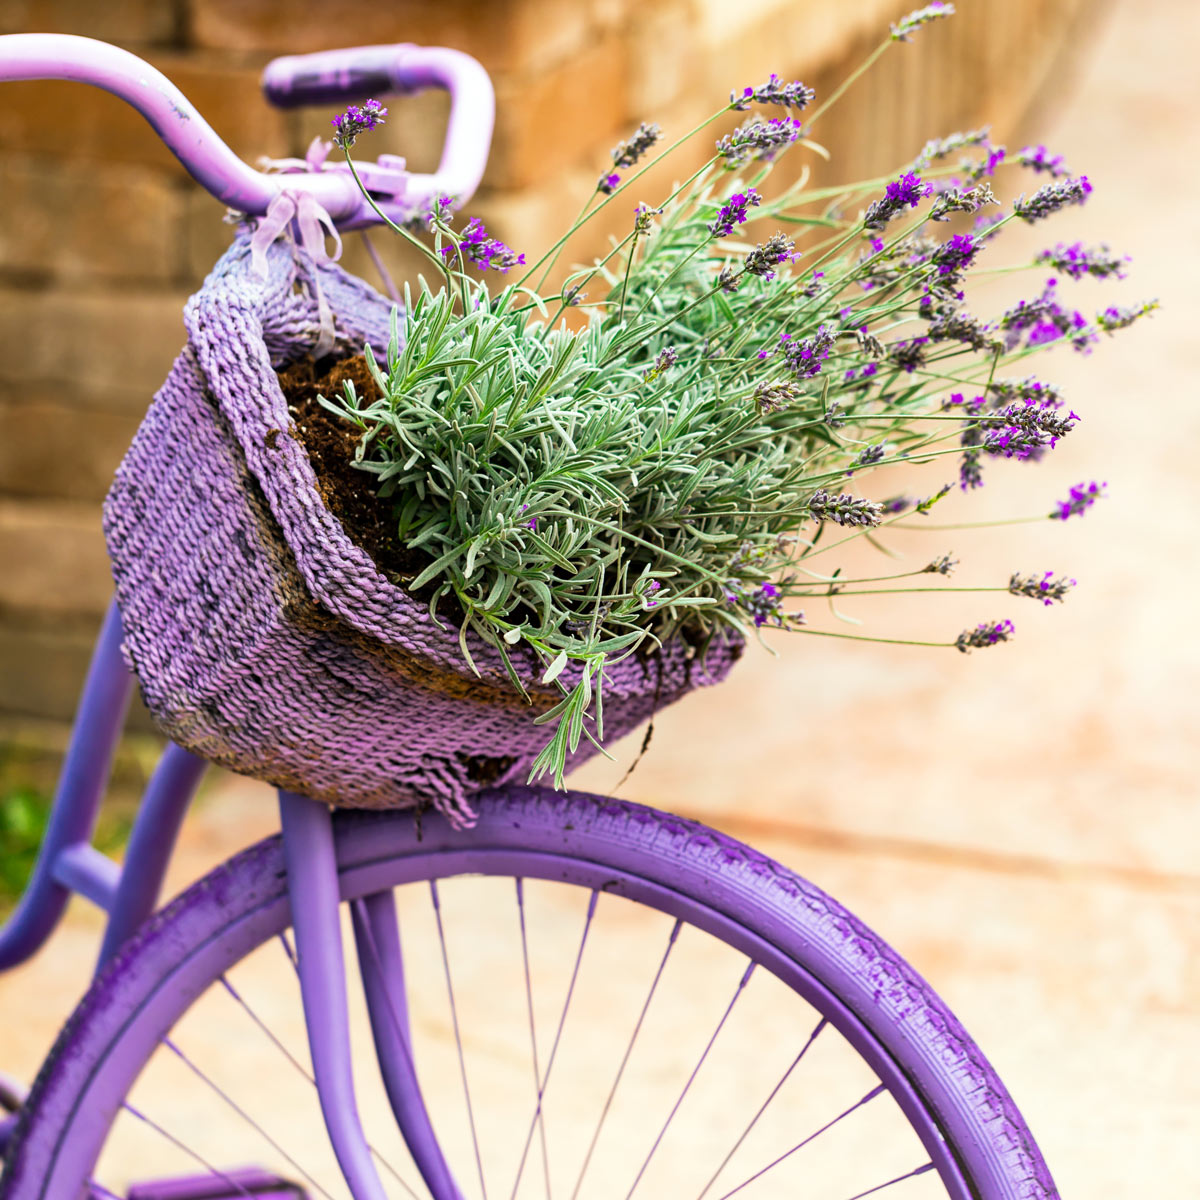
[651,1009]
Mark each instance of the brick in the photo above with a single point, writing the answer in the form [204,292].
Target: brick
[561,118]
[54,558]
[204,238]
[61,452]
[141,22]
[58,119]
[108,341]
[41,671]
[126,231]
[127,402]
[481,28]
[657,79]
[523,36]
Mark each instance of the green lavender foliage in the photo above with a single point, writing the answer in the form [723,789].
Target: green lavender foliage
[592,490]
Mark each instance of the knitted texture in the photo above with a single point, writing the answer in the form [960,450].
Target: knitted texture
[262,637]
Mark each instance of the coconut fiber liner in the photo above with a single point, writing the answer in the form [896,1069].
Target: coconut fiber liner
[264,639]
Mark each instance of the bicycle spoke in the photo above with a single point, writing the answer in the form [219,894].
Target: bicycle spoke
[812,1137]
[562,1020]
[462,1062]
[241,1112]
[307,1075]
[141,1116]
[537,1071]
[287,949]
[692,1077]
[899,1179]
[812,1037]
[672,938]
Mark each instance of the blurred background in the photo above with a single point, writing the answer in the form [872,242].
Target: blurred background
[1021,823]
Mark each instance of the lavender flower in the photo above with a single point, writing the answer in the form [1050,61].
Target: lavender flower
[728,279]
[941,566]
[734,212]
[953,200]
[923,506]
[771,397]
[1117,317]
[764,604]
[986,634]
[963,327]
[844,509]
[1082,497]
[871,455]
[1044,320]
[1051,197]
[643,217]
[668,356]
[355,120]
[953,257]
[1025,427]
[987,165]
[970,470]
[766,256]
[608,183]
[1078,260]
[902,193]
[1047,589]
[805,358]
[483,251]
[1042,161]
[789,95]
[758,139]
[1029,388]
[939,148]
[908,354]
[626,154]
[897,504]
[903,29]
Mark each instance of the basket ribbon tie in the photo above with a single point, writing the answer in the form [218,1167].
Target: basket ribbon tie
[312,224]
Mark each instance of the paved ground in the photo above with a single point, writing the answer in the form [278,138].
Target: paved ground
[1021,823]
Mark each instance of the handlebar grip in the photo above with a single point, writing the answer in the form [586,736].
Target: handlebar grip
[332,76]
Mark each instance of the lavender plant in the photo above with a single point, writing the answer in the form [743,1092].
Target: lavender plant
[672,465]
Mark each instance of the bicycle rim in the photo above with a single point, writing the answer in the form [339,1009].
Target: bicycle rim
[655,1009]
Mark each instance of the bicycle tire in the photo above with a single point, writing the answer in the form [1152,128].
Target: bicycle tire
[879,1003]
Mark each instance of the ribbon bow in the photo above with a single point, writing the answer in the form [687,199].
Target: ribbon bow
[313,224]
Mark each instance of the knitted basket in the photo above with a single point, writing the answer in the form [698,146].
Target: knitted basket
[262,637]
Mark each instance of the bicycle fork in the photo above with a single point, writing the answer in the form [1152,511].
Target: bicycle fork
[311,858]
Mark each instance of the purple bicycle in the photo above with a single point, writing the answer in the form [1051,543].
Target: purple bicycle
[593,999]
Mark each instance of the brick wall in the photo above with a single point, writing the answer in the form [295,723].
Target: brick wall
[104,235]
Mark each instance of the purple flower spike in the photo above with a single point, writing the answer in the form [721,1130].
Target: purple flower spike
[608,183]
[1078,260]
[734,212]
[355,120]
[986,634]
[1050,198]
[1042,161]
[483,251]
[789,95]
[903,29]
[759,140]
[1046,588]
[1082,497]
[902,193]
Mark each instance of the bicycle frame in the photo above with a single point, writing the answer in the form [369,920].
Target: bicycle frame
[67,862]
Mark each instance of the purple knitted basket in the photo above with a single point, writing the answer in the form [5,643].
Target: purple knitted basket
[262,637]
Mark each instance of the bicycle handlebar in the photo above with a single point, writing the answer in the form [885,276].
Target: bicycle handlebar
[359,72]
[342,74]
